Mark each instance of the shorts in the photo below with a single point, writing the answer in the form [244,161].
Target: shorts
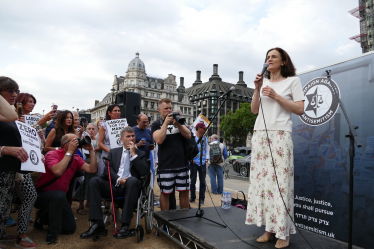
[167,179]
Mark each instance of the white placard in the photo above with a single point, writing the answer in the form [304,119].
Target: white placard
[31,143]
[201,118]
[114,129]
[30,120]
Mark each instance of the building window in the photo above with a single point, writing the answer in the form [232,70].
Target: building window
[152,105]
[132,82]
[139,91]
[156,80]
[158,86]
[152,95]
[153,85]
[146,84]
[170,81]
[158,95]
[158,116]
[214,101]
[145,104]
[133,64]
[139,83]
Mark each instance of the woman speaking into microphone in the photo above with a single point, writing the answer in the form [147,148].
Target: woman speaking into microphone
[281,95]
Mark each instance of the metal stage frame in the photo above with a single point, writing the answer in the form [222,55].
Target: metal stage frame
[199,233]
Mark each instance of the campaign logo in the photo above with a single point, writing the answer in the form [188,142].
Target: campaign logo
[119,142]
[321,101]
[34,157]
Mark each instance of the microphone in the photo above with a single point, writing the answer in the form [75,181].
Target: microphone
[266,65]
[228,91]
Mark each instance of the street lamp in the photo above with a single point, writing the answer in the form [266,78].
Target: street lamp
[78,110]
[112,94]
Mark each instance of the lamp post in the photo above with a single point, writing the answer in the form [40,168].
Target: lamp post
[112,94]
[78,110]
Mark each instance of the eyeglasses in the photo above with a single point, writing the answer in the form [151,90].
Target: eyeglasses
[67,142]
[145,122]
[11,91]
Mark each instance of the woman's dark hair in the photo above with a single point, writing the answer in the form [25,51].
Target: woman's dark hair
[287,69]
[110,108]
[60,123]
[7,83]
[24,98]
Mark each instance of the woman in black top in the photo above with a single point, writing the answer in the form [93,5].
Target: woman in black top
[64,125]
[11,156]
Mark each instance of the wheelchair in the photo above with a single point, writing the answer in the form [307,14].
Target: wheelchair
[144,208]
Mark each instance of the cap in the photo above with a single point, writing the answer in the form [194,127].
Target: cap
[201,124]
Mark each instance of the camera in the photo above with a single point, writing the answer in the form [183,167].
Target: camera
[83,121]
[83,141]
[177,116]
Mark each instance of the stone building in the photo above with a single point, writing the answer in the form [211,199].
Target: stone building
[151,88]
[205,97]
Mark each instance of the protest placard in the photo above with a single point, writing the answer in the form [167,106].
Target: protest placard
[336,175]
[313,148]
[201,118]
[31,120]
[370,141]
[330,164]
[114,129]
[31,143]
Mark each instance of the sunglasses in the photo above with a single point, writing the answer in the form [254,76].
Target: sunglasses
[11,91]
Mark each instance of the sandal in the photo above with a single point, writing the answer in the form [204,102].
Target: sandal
[7,238]
[81,211]
[31,244]
[265,237]
[282,243]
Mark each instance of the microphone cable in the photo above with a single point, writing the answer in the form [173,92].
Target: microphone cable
[275,172]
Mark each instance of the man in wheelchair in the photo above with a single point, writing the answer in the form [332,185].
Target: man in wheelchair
[127,167]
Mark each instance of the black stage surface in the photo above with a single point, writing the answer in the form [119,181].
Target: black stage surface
[210,235]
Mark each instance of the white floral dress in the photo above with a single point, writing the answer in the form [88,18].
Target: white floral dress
[265,205]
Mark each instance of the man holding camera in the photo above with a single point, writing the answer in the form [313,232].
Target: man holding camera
[52,186]
[172,170]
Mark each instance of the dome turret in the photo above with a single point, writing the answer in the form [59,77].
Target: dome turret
[136,63]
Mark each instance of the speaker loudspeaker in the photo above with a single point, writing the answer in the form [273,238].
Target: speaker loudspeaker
[129,105]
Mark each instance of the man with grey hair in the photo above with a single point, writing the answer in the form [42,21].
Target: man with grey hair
[218,155]
[127,165]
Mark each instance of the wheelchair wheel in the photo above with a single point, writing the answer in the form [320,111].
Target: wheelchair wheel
[148,218]
[139,233]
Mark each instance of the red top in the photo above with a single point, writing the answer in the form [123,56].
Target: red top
[51,159]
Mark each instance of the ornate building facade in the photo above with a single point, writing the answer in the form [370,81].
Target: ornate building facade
[205,98]
[151,89]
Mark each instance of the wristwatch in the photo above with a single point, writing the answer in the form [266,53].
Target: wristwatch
[68,154]
[1,150]
[56,148]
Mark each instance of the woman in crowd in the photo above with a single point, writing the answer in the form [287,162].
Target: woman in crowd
[64,125]
[11,156]
[113,112]
[82,193]
[281,95]
[7,113]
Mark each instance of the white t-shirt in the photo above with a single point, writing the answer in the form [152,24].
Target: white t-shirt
[276,116]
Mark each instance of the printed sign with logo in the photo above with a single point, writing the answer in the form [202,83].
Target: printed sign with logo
[321,102]
[31,143]
[114,131]
[31,120]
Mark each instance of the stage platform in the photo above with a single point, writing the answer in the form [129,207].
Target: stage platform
[196,232]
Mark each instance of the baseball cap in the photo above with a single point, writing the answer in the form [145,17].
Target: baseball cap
[201,124]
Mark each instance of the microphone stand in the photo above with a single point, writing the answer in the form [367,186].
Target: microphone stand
[200,212]
[352,139]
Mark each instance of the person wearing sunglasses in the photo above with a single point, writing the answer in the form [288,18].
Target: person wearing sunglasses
[52,186]
[11,156]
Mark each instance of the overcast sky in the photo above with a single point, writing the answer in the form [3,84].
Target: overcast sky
[67,52]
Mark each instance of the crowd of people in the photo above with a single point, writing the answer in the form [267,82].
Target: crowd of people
[121,170]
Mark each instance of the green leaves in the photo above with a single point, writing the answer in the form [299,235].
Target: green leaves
[237,125]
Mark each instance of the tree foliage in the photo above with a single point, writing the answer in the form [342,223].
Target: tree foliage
[236,125]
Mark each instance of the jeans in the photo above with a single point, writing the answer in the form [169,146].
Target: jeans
[202,176]
[60,216]
[216,171]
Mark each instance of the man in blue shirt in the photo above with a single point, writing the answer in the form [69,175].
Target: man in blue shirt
[215,169]
[143,136]
[199,166]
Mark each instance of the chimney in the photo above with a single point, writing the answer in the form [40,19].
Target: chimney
[96,102]
[181,81]
[198,78]
[215,75]
[241,81]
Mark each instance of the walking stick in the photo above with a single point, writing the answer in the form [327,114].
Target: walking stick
[111,194]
